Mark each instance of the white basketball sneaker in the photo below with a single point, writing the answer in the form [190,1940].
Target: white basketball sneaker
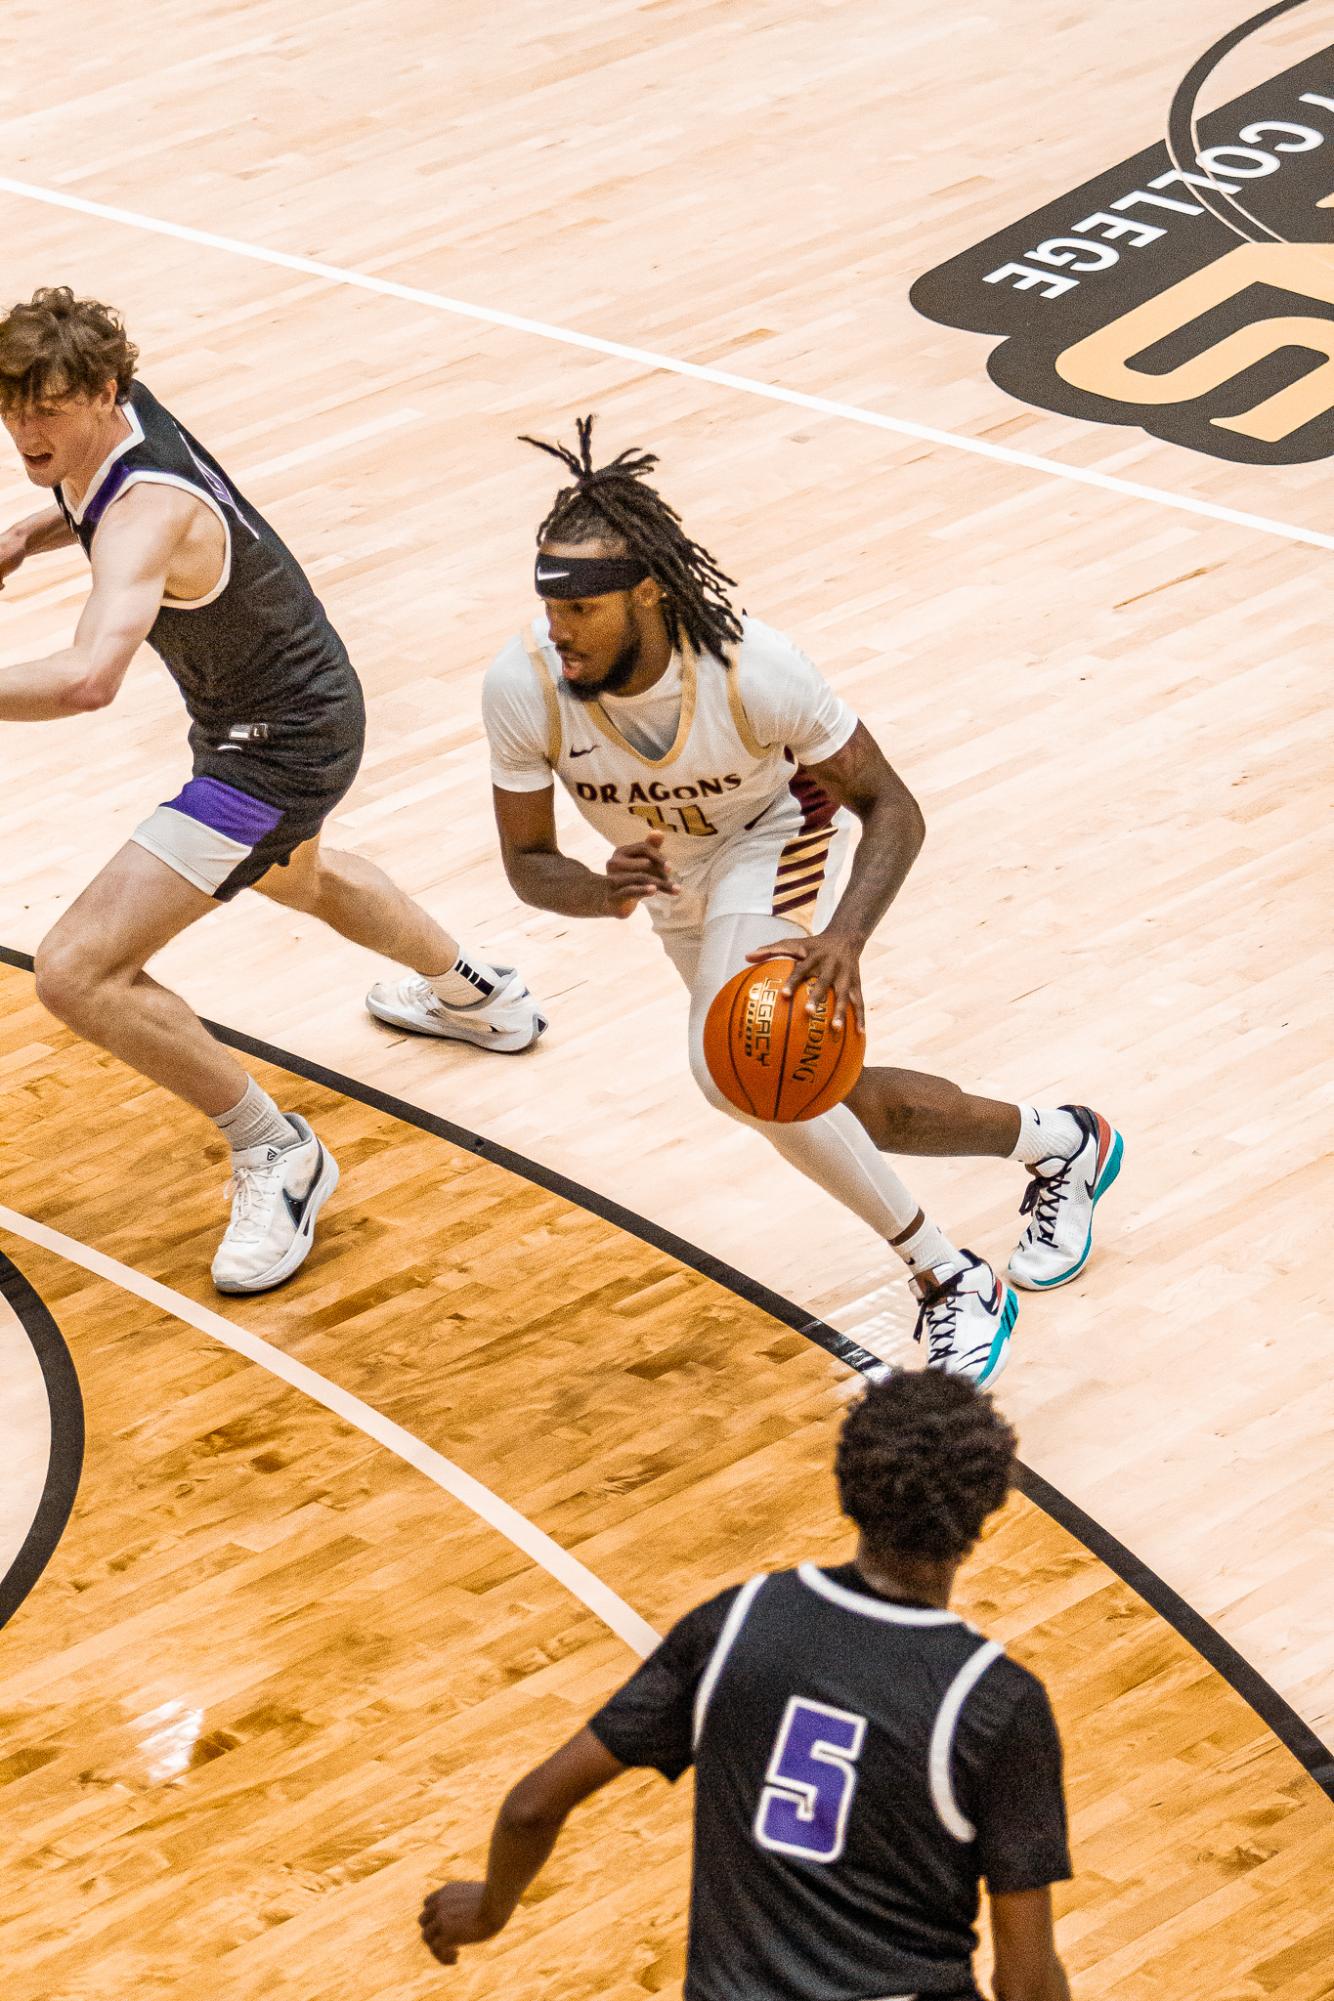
[967,1315]
[1059,1201]
[511,1020]
[277,1192]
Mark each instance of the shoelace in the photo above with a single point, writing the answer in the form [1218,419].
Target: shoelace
[937,1317]
[1042,1198]
[251,1199]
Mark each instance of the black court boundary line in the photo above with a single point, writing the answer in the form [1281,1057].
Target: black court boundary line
[1292,1730]
[772,1303]
[65,1465]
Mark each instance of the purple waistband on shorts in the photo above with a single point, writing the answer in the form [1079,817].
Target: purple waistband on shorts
[235,814]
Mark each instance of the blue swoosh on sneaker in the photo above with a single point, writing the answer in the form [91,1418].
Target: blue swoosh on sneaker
[1001,1342]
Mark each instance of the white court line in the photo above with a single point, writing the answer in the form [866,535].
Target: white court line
[497,1514]
[747,385]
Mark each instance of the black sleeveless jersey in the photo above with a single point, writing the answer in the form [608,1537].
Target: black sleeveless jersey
[860,1766]
[259,649]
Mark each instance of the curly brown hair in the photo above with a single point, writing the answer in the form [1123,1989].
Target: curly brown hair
[923,1459]
[56,345]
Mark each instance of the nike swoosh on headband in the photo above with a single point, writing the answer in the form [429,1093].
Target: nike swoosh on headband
[588,576]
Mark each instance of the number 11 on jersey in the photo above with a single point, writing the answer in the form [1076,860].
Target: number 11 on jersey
[811,1778]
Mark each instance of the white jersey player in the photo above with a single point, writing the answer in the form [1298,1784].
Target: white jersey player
[703,759]
[727,775]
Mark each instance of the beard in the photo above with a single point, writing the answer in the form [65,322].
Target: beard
[616,676]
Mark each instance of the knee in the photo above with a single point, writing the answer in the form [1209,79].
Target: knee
[342,884]
[308,888]
[890,1118]
[68,983]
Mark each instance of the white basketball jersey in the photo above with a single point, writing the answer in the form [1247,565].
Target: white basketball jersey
[717,778]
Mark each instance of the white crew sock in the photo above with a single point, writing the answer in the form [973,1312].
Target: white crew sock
[1046,1135]
[470,982]
[927,1249]
[256,1121]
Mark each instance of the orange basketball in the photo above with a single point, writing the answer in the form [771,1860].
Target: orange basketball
[769,1057]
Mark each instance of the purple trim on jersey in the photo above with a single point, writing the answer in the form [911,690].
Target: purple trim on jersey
[226,810]
[113,484]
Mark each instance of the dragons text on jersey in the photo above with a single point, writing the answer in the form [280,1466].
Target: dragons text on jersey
[709,757]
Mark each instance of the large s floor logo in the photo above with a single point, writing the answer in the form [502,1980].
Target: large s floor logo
[1139,300]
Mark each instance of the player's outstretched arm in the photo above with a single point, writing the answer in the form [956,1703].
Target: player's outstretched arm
[549,880]
[131,557]
[893,830]
[32,537]
[1027,1968]
[526,1830]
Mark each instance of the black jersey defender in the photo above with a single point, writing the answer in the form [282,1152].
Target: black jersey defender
[277,723]
[861,1765]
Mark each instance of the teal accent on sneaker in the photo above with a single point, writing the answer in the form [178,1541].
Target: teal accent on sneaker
[1000,1347]
[1105,1180]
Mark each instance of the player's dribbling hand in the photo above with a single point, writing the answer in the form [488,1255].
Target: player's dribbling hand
[456,1915]
[831,961]
[635,872]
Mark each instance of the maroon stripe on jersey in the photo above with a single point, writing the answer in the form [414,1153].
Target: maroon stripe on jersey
[805,858]
[817,808]
[801,885]
[811,857]
[789,889]
[806,844]
[789,897]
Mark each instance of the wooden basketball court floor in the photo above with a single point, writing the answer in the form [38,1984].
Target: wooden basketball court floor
[278,1666]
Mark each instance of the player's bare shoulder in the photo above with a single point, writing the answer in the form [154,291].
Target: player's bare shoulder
[144,513]
[154,526]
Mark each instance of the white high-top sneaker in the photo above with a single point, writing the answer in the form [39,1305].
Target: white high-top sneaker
[967,1315]
[511,1020]
[1059,1200]
[277,1192]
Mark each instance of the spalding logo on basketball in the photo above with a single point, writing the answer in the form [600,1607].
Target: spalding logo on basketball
[769,1056]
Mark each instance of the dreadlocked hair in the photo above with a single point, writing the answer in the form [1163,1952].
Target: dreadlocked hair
[923,1459]
[613,503]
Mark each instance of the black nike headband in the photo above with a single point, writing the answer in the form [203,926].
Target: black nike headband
[587,576]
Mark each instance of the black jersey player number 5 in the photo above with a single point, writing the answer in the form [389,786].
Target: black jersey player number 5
[811,1778]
